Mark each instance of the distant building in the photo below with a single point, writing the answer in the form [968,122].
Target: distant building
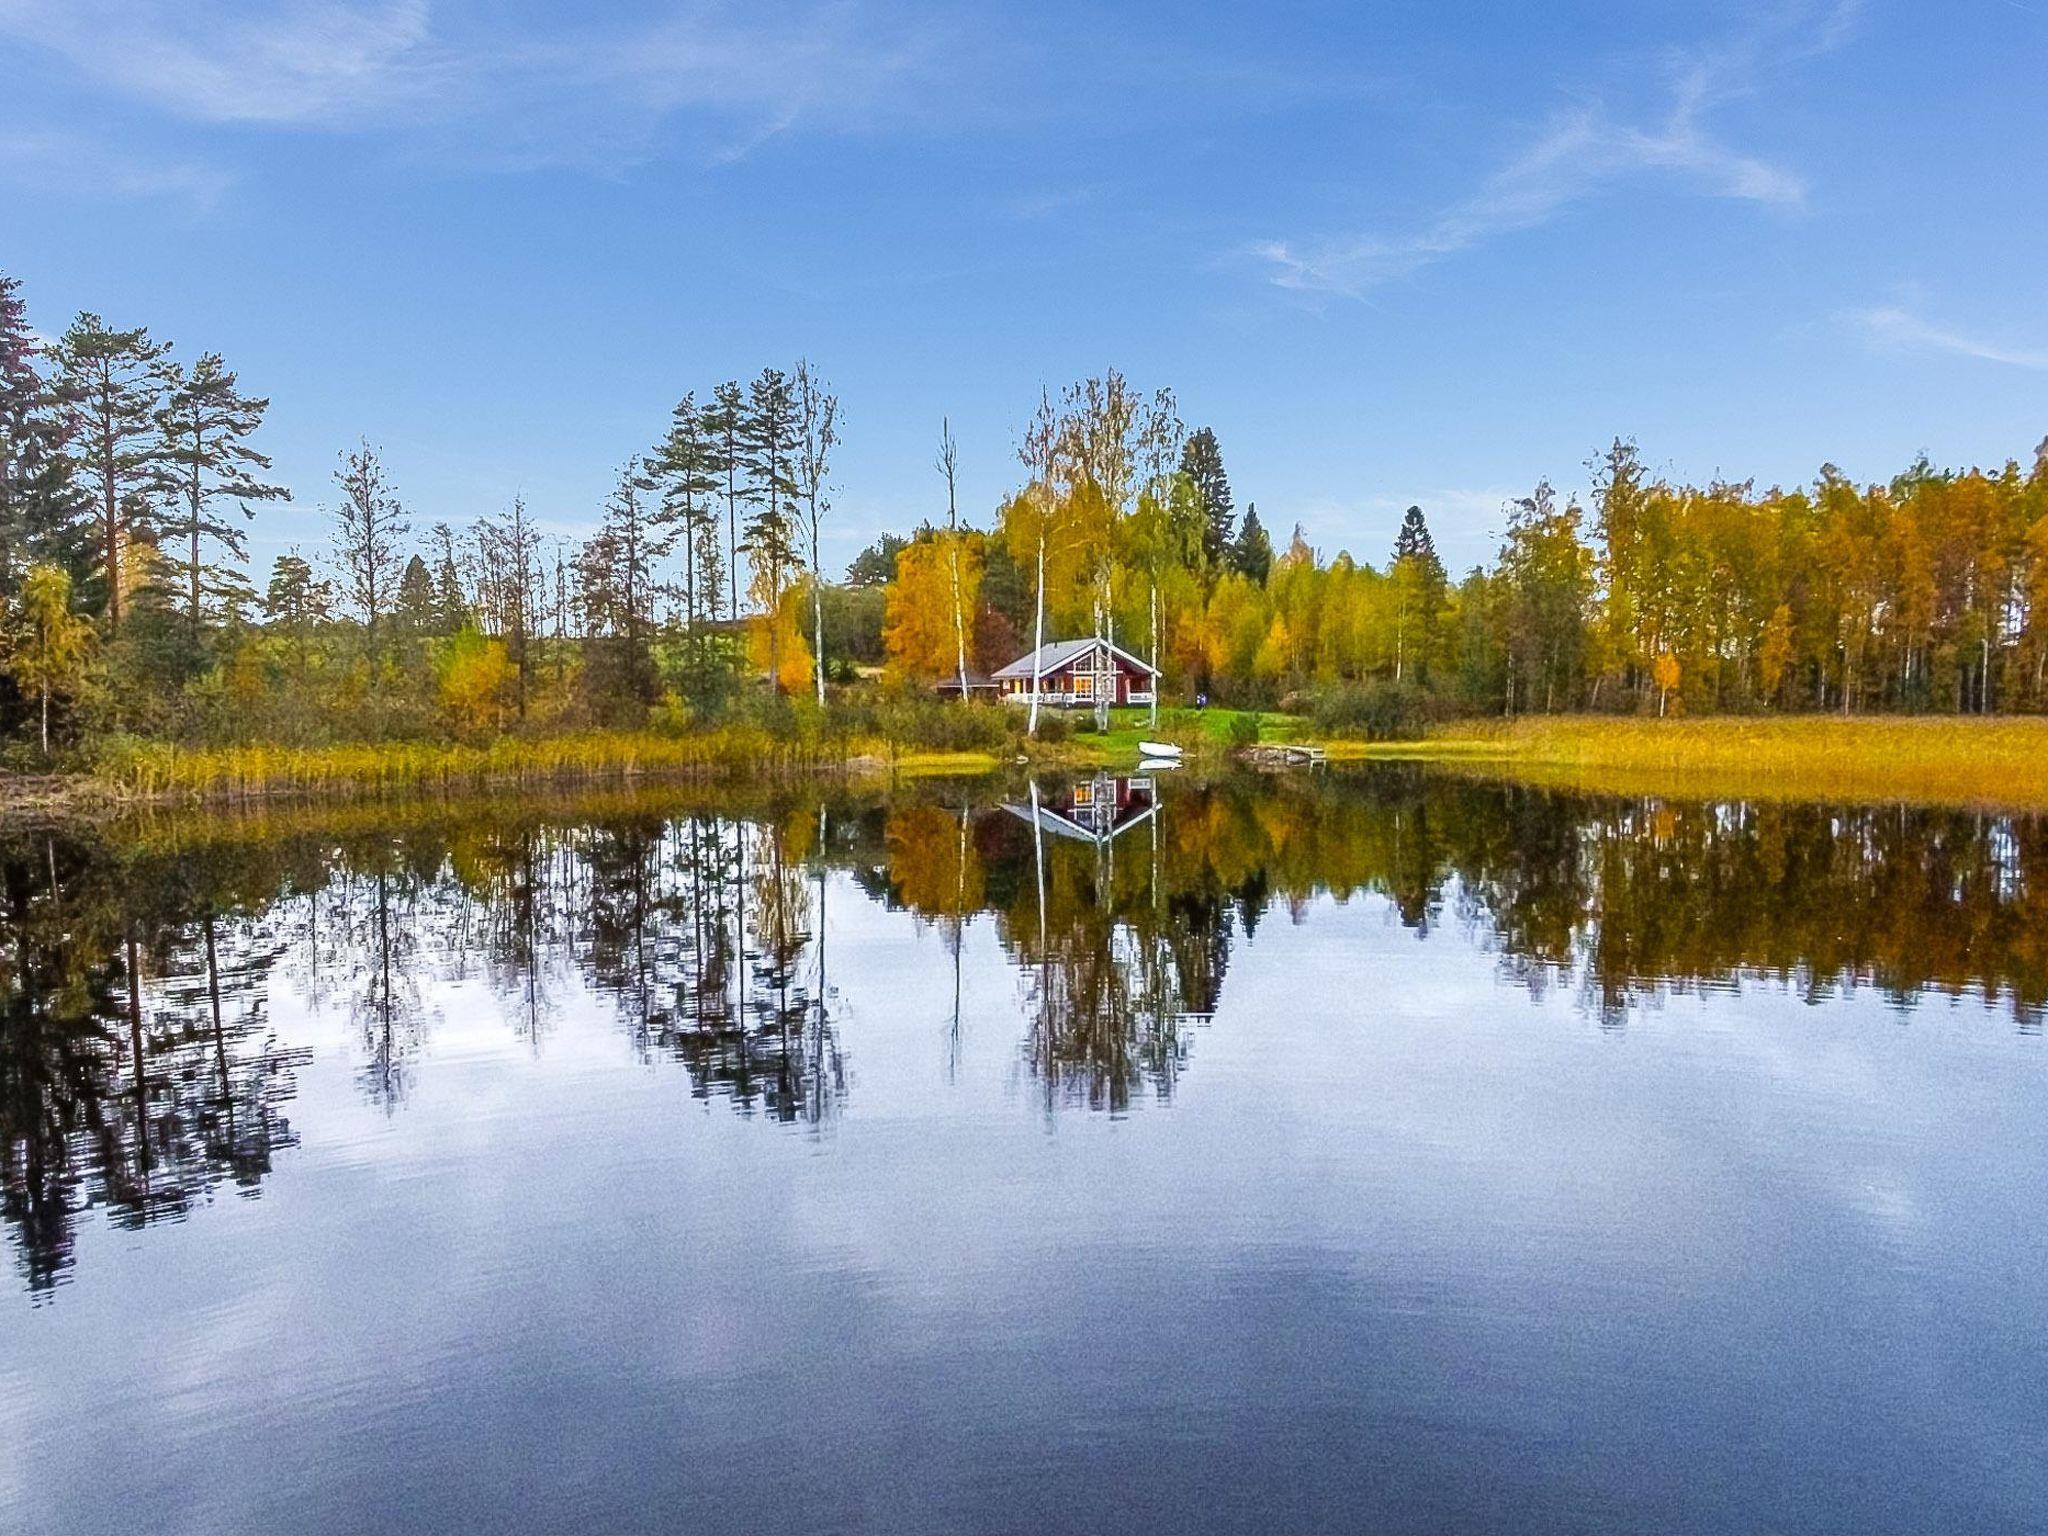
[978,686]
[1075,674]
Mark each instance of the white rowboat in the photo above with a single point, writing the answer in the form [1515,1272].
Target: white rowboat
[1159,749]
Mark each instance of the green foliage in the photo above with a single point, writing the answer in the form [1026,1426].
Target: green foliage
[1378,710]
[1244,729]
[1252,556]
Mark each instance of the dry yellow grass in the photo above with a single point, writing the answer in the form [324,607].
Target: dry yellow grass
[154,771]
[1933,759]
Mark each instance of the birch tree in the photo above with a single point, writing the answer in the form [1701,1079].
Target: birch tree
[817,415]
[949,464]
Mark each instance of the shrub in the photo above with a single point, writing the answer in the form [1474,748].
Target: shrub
[1244,729]
[1379,710]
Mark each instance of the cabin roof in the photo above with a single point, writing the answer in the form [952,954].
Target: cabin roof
[1056,654]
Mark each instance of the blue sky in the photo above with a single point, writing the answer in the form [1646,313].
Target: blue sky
[1398,252]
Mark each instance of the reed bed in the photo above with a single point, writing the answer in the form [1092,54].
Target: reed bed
[1932,759]
[158,771]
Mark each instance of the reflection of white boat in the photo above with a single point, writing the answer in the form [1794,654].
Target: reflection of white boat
[1155,764]
[1164,750]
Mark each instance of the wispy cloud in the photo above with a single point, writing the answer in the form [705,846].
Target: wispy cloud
[53,163]
[1580,152]
[467,82]
[1900,330]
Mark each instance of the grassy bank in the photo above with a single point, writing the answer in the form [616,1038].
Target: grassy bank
[1935,759]
[150,771]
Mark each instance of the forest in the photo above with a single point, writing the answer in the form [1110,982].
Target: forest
[131,476]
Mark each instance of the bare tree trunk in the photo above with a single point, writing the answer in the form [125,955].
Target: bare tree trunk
[817,609]
[1037,640]
[113,527]
[1155,653]
[818,625]
[1101,657]
[948,466]
[959,618]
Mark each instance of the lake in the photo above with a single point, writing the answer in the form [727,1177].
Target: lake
[1361,1150]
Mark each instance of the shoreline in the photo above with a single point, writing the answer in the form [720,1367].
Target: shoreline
[1999,762]
[1996,762]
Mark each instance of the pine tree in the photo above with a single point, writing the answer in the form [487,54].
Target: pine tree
[41,504]
[1252,555]
[510,555]
[111,379]
[769,448]
[369,523]
[686,467]
[206,465]
[297,602]
[1201,460]
[725,427]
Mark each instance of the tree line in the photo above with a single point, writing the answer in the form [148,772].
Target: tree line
[128,482]
[1927,592]
[130,478]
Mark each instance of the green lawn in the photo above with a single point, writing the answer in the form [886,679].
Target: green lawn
[1186,727]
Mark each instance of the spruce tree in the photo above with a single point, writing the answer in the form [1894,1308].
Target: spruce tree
[414,612]
[1419,591]
[1413,541]
[1252,555]
[112,381]
[616,590]
[451,603]
[41,503]
[206,469]
[1201,460]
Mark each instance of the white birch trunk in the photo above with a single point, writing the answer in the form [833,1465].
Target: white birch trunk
[1037,639]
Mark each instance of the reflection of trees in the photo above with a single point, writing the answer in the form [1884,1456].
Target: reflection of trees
[1116,964]
[701,933]
[140,1072]
[380,923]
[135,1076]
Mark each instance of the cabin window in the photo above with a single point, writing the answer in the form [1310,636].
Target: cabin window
[1084,794]
[1084,686]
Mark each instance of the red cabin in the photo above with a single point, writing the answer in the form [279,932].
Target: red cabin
[1076,674]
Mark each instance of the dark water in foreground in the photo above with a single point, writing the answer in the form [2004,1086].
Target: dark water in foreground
[1368,1152]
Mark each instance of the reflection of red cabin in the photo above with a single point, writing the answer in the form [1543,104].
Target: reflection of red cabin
[1076,673]
[1095,810]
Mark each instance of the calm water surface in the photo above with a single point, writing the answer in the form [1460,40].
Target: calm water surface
[1357,1152]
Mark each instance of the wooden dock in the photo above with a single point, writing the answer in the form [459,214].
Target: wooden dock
[1287,755]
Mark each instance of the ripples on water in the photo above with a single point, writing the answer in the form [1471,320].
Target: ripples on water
[1349,1152]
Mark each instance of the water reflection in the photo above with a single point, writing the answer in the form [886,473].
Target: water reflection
[140,1074]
